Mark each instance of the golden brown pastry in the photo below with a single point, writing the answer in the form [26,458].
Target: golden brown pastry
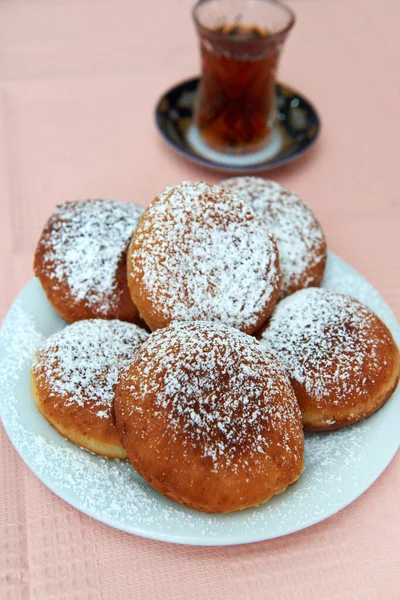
[74,377]
[80,259]
[209,419]
[340,357]
[298,235]
[201,253]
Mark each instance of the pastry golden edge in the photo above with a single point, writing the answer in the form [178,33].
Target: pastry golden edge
[328,422]
[84,441]
[279,486]
[334,415]
[169,493]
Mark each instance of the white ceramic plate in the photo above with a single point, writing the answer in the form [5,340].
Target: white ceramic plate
[340,465]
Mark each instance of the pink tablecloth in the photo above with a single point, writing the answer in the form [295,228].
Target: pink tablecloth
[79,79]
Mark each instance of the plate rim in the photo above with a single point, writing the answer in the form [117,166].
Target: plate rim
[219,167]
[193,538]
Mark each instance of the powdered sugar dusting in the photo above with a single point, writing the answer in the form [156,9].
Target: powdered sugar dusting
[81,364]
[218,390]
[298,235]
[324,341]
[83,244]
[340,465]
[200,253]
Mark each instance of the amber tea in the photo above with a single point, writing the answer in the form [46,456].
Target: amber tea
[235,106]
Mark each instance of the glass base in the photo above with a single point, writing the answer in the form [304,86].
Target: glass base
[269,149]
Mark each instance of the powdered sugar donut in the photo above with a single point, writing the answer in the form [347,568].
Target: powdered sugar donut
[74,376]
[341,359]
[199,253]
[209,419]
[298,235]
[81,259]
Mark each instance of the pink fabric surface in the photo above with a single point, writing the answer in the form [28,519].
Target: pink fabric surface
[78,84]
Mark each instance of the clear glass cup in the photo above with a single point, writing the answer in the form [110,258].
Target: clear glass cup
[240,44]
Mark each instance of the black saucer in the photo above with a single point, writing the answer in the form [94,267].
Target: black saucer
[296,129]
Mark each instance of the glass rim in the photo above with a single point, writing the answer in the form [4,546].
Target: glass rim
[211,32]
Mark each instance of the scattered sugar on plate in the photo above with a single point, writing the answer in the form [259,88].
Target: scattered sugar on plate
[339,464]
